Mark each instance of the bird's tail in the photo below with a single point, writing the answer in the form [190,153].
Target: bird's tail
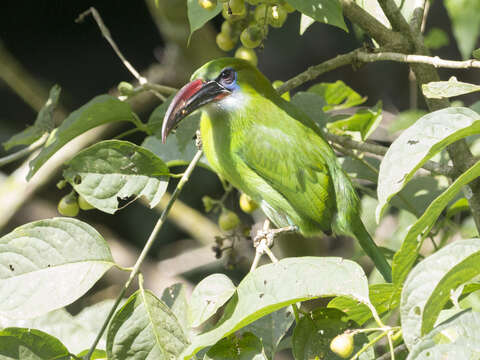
[371,249]
[348,219]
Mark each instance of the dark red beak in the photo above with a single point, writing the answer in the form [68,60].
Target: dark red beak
[190,97]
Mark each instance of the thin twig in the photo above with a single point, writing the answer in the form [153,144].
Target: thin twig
[146,248]
[23,152]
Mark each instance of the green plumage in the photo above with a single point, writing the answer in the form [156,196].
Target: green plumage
[272,151]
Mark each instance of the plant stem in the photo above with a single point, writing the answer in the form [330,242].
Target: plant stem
[146,248]
[369,344]
[23,152]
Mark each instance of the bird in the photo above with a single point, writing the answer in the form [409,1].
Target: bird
[272,151]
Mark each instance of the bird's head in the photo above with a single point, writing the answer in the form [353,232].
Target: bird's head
[218,81]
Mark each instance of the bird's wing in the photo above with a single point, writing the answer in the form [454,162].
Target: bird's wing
[290,160]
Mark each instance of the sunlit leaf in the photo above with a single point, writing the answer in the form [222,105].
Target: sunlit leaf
[324,11]
[175,298]
[49,264]
[337,95]
[100,110]
[450,88]
[305,22]
[198,16]
[113,169]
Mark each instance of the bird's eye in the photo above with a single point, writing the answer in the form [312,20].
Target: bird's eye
[227,76]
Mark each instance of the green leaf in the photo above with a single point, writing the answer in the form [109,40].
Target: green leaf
[427,279]
[457,207]
[30,344]
[305,22]
[198,16]
[324,11]
[356,169]
[380,297]
[456,338]
[406,7]
[271,328]
[406,256]
[145,328]
[100,110]
[360,125]
[463,271]
[420,142]
[245,347]
[312,105]
[337,95]
[175,298]
[97,354]
[49,264]
[476,53]
[436,38]
[405,119]
[273,286]
[450,88]
[115,169]
[314,332]
[465,17]
[43,124]
[208,296]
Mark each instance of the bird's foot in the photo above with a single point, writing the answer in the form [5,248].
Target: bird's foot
[198,140]
[263,241]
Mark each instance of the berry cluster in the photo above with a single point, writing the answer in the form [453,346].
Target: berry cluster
[248,21]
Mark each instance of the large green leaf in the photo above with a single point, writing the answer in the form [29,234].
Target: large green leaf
[30,344]
[314,332]
[198,16]
[100,110]
[145,328]
[450,88]
[43,124]
[324,11]
[359,125]
[273,286]
[419,143]
[208,296]
[456,338]
[380,297]
[337,95]
[465,270]
[312,105]
[271,328]
[465,17]
[49,264]
[406,256]
[114,169]
[244,347]
[175,298]
[424,281]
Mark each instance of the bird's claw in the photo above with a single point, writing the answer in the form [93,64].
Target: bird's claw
[198,140]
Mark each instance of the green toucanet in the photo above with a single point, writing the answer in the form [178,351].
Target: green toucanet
[272,151]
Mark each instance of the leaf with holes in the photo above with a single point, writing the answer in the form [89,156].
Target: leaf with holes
[274,286]
[406,256]
[324,11]
[244,347]
[455,338]
[426,286]
[420,142]
[100,110]
[198,16]
[145,328]
[208,296]
[30,344]
[43,124]
[313,334]
[112,170]
[48,264]
[337,95]
[446,89]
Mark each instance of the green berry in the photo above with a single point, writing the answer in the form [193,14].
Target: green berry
[125,88]
[208,4]
[246,54]
[342,345]
[84,204]
[225,42]
[228,220]
[68,205]
[237,7]
[259,14]
[227,29]
[251,37]
[247,204]
[276,16]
